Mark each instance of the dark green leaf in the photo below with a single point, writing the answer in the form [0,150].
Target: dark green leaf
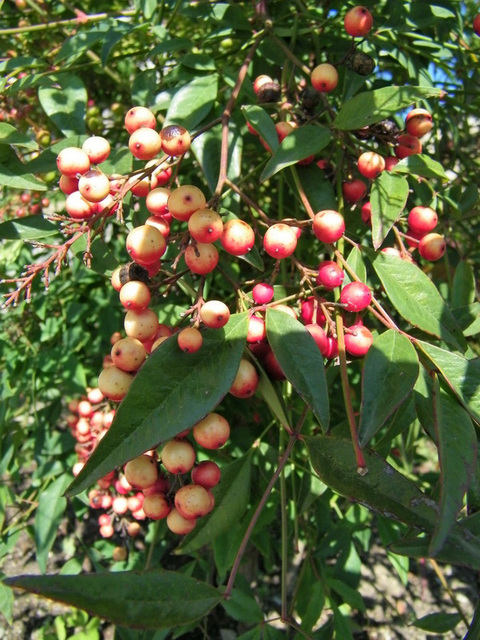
[349,595]
[462,375]
[263,124]
[243,607]
[415,297]
[78,44]
[231,500]
[318,188]
[171,392]
[300,360]
[149,600]
[193,101]
[29,228]
[460,548]
[457,449]
[382,489]
[463,286]
[388,198]
[49,513]
[24,180]
[298,145]
[391,367]
[438,622]
[370,107]
[421,165]
[6,603]
[198,61]
[207,149]
[272,399]
[356,263]
[468,319]
[65,104]
[9,135]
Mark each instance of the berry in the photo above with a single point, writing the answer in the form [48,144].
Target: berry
[476,24]
[207,474]
[246,380]
[358,22]
[432,246]
[212,432]
[353,190]
[184,201]
[141,472]
[141,324]
[328,225]
[178,456]
[145,244]
[156,506]
[175,140]
[138,117]
[355,296]
[190,339]
[280,241]
[407,145]
[78,208]
[262,293]
[201,258]
[135,295]
[371,164]
[192,501]
[324,77]
[214,314]
[422,220]
[237,237]
[128,354]
[358,340]
[114,383]
[330,274]
[418,122]
[179,524]
[256,331]
[320,337]
[144,143]
[205,225]
[97,149]
[73,160]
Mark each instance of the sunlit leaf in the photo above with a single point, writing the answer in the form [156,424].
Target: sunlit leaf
[192,102]
[50,510]
[65,104]
[10,135]
[421,165]
[388,198]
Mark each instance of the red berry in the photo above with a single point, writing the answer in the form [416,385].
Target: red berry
[358,340]
[328,225]
[358,22]
[356,296]
[330,274]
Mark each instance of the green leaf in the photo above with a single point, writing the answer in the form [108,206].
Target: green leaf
[9,135]
[171,392]
[263,124]
[243,607]
[192,102]
[460,548]
[348,595]
[415,297]
[77,45]
[463,286]
[300,360]
[6,603]
[460,374]
[207,149]
[298,145]
[457,449]
[22,181]
[48,515]
[29,228]
[318,188]
[388,198]
[146,600]
[468,318]
[231,500]
[370,107]
[421,165]
[356,263]
[65,104]
[198,61]
[382,489]
[391,365]
[273,401]
[438,622]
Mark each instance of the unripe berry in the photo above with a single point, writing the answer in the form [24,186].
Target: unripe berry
[156,201]
[256,331]
[68,184]
[260,81]
[178,456]
[407,145]
[145,143]
[160,223]
[262,293]
[328,225]
[141,187]
[358,22]
[175,140]
[280,241]
[201,258]
[97,149]
[145,244]
[212,432]
[120,505]
[358,340]
[356,296]
[138,117]
[324,77]
[135,295]
[73,160]
[214,314]
[190,339]
[185,200]
[156,506]
[205,225]
[246,380]
[371,164]
[141,324]
[78,208]
[114,383]
[192,501]
[432,246]
[178,524]
[330,274]
[141,472]
[237,237]
[128,354]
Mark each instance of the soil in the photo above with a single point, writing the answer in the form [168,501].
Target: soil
[391,606]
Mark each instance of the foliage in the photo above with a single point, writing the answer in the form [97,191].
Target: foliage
[334,451]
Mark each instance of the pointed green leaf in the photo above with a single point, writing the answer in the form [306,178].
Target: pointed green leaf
[300,360]
[356,263]
[391,365]
[77,45]
[9,135]
[460,374]
[382,489]
[457,450]
[50,510]
[463,286]
[415,297]
[192,102]
[145,600]
[171,392]
[6,603]
[421,165]
[438,622]
[263,124]
[29,228]
[317,187]
[14,180]
[272,399]
[298,145]
[388,198]
[232,496]
[370,107]
[65,104]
